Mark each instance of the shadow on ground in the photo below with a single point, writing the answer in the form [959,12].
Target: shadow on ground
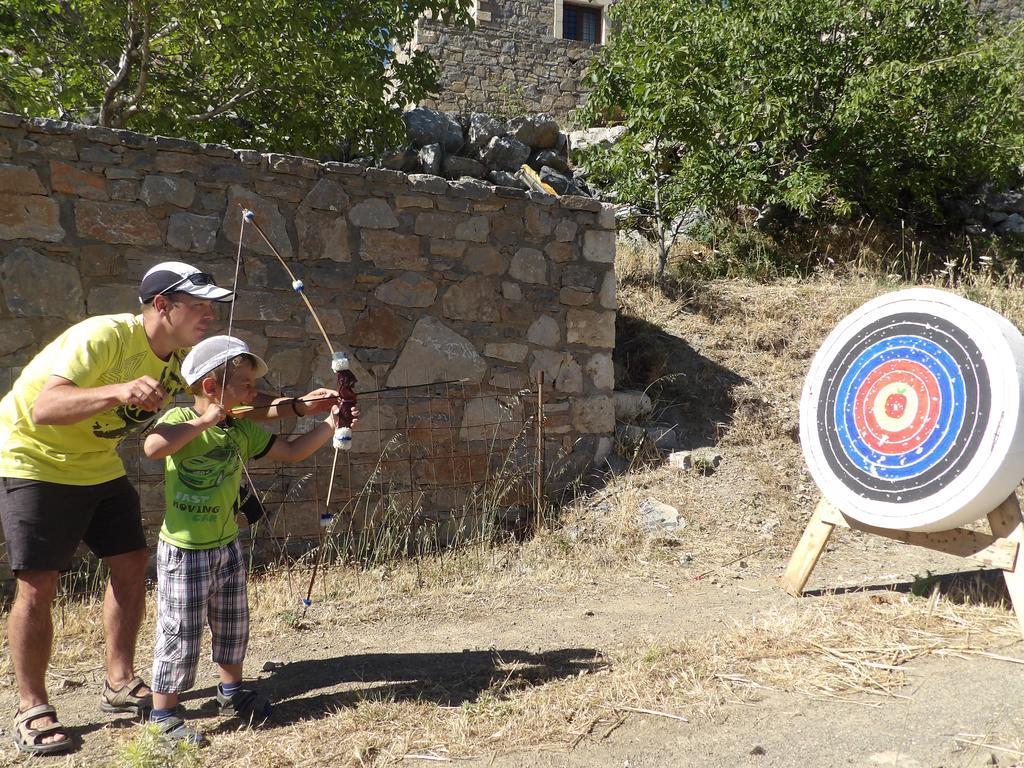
[446,679]
[977,587]
[689,390]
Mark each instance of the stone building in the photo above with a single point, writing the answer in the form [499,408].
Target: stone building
[528,56]
[522,56]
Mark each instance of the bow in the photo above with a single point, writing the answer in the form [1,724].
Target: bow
[345,386]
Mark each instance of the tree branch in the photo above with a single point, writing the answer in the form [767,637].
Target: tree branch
[244,91]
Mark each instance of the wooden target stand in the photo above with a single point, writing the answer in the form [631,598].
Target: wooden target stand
[999,549]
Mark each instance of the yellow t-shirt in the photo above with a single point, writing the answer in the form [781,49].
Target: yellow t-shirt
[103,350]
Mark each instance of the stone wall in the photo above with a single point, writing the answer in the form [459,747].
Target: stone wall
[420,278]
[1008,9]
[509,64]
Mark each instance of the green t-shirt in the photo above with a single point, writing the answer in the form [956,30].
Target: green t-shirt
[107,349]
[203,478]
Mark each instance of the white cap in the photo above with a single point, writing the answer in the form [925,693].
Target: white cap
[174,276]
[210,353]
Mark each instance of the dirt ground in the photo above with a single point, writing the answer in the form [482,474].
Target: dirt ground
[949,706]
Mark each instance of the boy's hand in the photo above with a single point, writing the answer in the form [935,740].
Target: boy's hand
[335,411]
[213,415]
[317,401]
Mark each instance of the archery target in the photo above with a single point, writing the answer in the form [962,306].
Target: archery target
[910,416]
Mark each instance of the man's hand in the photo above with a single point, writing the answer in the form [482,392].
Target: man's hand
[144,393]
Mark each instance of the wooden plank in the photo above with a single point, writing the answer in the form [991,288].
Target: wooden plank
[989,550]
[807,552]
[1007,523]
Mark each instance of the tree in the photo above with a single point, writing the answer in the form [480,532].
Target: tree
[821,106]
[295,77]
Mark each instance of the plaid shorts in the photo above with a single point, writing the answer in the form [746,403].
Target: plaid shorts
[195,586]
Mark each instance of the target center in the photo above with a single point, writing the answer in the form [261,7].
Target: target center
[895,405]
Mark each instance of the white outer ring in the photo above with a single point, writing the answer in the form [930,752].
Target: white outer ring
[998,465]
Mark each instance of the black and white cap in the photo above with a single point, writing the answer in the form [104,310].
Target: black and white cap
[212,353]
[175,276]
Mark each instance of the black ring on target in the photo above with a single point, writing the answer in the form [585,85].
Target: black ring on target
[942,370]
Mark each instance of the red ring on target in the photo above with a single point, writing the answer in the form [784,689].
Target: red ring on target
[895,409]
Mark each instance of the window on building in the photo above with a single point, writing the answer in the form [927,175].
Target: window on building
[581,22]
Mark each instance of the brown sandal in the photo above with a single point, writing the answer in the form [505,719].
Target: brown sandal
[29,739]
[126,699]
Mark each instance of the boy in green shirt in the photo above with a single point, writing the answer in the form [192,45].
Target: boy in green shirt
[201,572]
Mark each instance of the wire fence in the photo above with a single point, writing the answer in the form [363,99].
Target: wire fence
[431,466]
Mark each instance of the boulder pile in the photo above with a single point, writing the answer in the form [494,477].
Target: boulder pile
[482,147]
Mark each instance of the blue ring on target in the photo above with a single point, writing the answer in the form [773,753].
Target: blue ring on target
[846,368]
[947,424]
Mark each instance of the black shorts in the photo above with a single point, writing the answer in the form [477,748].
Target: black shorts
[45,522]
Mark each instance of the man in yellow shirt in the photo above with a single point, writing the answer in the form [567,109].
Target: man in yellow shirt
[63,483]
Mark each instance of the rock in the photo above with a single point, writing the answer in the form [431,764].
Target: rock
[582,140]
[427,126]
[475,299]
[704,460]
[601,371]
[1014,225]
[20,180]
[485,259]
[551,159]
[111,299]
[503,153]
[547,361]
[455,167]
[475,229]
[30,217]
[593,415]
[192,232]
[116,223]
[570,376]
[631,437]
[509,352]
[1005,201]
[663,437]
[529,266]
[322,234]
[408,290]
[268,216]
[544,332]
[491,418]
[35,285]
[599,246]
[70,180]
[167,190]
[373,214]
[631,405]
[406,160]
[434,352]
[390,250]
[506,179]
[559,182]
[377,328]
[607,297]
[482,128]
[537,131]
[327,195]
[430,159]
[593,328]
[657,516]
[565,232]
